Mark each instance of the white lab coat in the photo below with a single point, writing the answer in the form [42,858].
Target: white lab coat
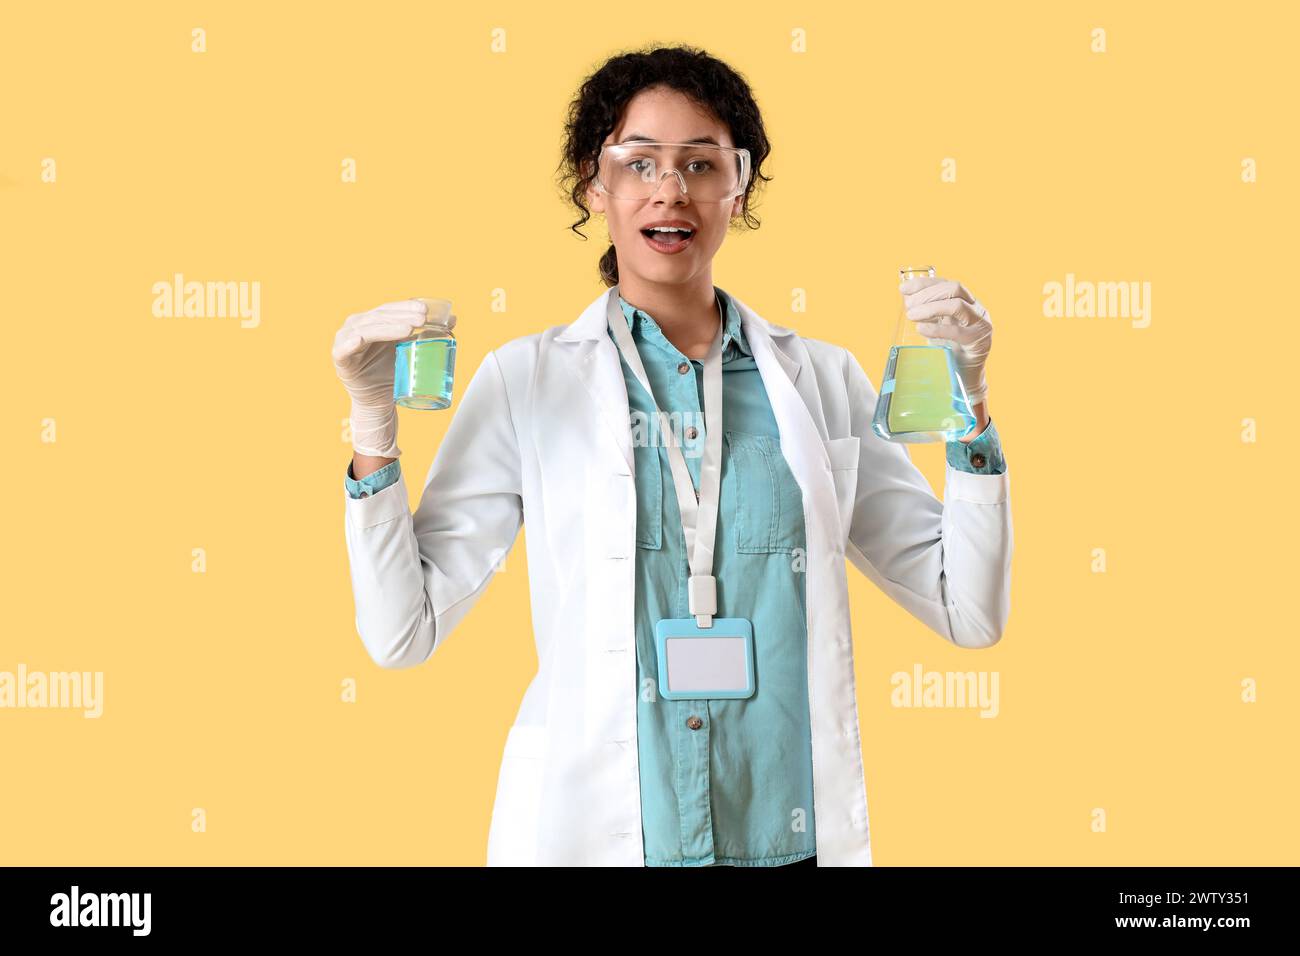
[542,433]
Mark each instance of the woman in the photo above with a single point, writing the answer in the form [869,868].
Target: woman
[557,428]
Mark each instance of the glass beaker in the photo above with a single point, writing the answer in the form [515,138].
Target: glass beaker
[426,364]
[921,395]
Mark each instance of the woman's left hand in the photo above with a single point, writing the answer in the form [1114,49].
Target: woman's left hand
[944,309]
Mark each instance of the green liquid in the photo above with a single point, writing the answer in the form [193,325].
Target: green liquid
[424,373]
[922,399]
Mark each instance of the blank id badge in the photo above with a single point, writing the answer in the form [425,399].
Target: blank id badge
[696,662]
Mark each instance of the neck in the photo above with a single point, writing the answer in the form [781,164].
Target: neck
[687,314]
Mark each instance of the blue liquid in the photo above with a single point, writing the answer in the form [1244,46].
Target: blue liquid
[423,376]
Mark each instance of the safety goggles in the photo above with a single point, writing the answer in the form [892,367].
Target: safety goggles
[704,172]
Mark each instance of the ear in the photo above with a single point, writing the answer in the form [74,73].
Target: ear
[737,206]
[595,198]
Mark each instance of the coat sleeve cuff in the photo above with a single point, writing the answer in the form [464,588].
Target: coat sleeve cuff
[980,489]
[386,504]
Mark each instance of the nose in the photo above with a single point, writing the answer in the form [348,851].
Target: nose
[671,193]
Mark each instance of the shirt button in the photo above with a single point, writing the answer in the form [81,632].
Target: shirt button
[684,367]
[691,431]
[977,460]
[694,722]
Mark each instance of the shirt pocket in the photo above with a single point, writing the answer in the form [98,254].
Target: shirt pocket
[766,500]
[649,497]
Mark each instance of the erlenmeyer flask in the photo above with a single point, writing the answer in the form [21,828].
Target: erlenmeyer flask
[921,395]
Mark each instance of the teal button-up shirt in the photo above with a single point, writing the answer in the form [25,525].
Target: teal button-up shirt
[723,781]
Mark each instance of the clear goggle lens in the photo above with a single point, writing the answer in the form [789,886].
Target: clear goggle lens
[704,173]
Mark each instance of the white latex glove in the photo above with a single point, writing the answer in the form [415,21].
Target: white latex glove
[944,309]
[365,358]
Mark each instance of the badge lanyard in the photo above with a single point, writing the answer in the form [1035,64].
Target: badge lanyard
[698,510]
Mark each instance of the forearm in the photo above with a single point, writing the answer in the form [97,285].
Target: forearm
[981,418]
[363,465]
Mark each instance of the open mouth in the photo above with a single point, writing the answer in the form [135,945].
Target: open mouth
[668,240]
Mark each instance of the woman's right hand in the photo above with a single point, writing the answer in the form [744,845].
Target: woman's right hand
[364,358]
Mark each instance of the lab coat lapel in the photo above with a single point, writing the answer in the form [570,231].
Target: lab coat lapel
[839,797]
[796,403]
[595,362]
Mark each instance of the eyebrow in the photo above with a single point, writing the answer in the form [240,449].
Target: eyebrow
[633,137]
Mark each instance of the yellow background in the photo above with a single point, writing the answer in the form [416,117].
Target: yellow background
[1119,690]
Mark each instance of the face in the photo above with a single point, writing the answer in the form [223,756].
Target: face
[669,116]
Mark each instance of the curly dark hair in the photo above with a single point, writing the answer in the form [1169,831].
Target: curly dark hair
[600,101]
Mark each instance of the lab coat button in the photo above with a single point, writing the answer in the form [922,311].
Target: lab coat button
[977,460]
[684,367]
[694,722]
